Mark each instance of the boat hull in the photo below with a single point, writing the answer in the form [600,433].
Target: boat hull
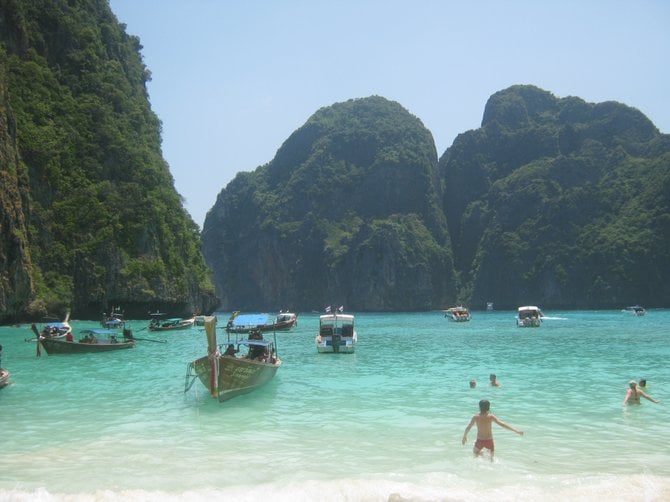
[58,346]
[279,326]
[529,323]
[236,375]
[340,345]
[177,327]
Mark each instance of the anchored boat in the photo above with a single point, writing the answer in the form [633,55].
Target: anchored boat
[245,364]
[337,334]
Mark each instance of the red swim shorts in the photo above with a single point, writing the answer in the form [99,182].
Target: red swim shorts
[484,443]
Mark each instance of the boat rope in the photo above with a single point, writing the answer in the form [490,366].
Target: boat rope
[190,377]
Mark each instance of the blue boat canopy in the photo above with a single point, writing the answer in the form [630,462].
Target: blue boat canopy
[251,320]
[100,332]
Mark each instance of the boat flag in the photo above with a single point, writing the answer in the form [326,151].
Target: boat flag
[328,309]
[341,309]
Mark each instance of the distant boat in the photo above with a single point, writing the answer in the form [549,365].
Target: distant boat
[244,323]
[94,340]
[113,320]
[489,306]
[636,310]
[337,334]
[529,317]
[53,329]
[458,314]
[171,324]
[228,374]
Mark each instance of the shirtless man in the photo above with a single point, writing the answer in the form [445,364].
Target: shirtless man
[484,432]
[634,393]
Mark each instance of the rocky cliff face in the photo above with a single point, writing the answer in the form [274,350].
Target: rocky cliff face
[559,202]
[556,202]
[90,215]
[346,213]
[16,286]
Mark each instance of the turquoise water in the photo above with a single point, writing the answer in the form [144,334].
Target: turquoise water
[384,423]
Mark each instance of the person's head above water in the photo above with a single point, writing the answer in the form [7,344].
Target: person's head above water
[484,406]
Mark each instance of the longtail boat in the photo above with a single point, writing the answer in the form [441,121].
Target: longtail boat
[172,324]
[94,340]
[227,373]
[244,323]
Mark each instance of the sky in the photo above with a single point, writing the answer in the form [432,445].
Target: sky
[233,79]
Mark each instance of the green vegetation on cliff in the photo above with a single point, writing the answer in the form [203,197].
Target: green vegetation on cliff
[556,202]
[347,212]
[105,223]
[560,202]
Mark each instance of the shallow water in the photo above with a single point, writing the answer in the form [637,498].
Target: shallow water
[382,424]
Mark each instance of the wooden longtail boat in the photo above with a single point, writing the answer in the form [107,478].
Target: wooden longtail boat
[244,323]
[93,341]
[173,324]
[228,374]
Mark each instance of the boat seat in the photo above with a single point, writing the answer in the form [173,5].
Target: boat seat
[347,330]
[326,331]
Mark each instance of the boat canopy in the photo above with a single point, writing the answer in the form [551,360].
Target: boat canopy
[257,343]
[99,332]
[251,320]
[57,325]
[337,317]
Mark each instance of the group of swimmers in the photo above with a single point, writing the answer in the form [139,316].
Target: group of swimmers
[637,390]
[485,418]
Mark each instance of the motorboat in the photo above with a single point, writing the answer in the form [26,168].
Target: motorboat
[635,310]
[529,316]
[458,314]
[337,334]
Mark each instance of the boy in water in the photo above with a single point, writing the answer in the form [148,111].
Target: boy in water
[484,431]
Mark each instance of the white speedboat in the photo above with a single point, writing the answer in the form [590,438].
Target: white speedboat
[529,316]
[635,310]
[458,314]
[337,334]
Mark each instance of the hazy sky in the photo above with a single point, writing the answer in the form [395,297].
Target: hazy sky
[232,79]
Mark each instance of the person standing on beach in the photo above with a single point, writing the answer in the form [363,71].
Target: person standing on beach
[634,393]
[484,431]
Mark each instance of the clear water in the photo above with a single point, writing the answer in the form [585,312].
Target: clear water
[384,423]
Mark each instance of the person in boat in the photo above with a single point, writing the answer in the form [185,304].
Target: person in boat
[69,337]
[86,339]
[634,393]
[483,422]
[494,380]
[230,351]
